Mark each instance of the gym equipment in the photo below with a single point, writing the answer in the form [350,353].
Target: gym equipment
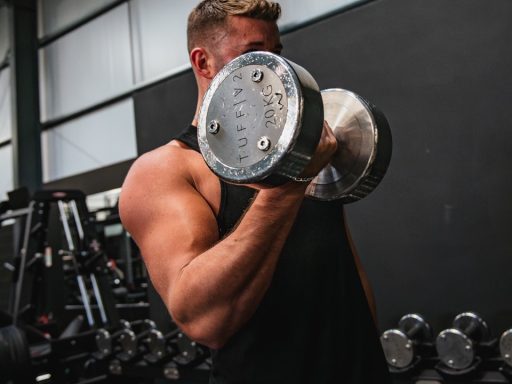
[456,346]
[364,148]
[105,339]
[130,342]
[401,344]
[14,353]
[506,347]
[250,118]
[261,120]
[160,346]
[87,270]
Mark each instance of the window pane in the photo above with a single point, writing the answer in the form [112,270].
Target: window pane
[93,141]
[86,66]
[106,199]
[57,14]
[4,32]
[5,105]
[6,176]
[299,11]
[160,38]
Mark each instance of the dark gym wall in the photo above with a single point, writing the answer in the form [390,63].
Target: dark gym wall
[163,111]
[434,235]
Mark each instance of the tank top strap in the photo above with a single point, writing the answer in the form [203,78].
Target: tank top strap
[189,137]
[234,199]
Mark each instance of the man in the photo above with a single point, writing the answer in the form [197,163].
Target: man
[263,276]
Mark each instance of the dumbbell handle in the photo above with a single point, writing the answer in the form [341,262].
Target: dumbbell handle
[470,329]
[472,325]
[416,328]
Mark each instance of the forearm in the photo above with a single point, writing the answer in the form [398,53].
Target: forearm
[219,290]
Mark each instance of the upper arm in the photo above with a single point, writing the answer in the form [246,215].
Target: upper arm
[167,217]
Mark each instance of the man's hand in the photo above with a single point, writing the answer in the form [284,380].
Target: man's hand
[326,148]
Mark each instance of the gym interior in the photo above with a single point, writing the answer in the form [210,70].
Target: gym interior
[86,87]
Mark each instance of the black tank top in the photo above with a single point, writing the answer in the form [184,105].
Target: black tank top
[313,325]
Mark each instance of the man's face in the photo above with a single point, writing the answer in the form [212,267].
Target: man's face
[243,35]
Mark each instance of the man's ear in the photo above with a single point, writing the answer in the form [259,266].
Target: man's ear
[202,63]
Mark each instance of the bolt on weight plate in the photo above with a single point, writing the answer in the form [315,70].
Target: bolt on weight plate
[257,75]
[264,144]
[213,127]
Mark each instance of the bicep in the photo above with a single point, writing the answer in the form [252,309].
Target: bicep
[172,227]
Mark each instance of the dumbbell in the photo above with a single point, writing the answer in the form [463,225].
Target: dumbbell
[129,341]
[190,353]
[261,120]
[400,344]
[105,339]
[159,345]
[456,346]
[506,347]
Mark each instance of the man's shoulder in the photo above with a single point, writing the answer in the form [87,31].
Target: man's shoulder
[153,177]
[172,159]
[160,170]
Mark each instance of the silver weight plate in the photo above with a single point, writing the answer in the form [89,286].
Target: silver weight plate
[128,341]
[455,349]
[103,341]
[364,148]
[398,348]
[156,343]
[506,347]
[260,118]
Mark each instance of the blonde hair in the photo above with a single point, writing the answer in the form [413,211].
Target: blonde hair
[211,14]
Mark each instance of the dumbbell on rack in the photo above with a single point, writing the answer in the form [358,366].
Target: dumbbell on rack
[190,353]
[401,344]
[506,351]
[131,343]
[160,346]
[153,354]
[105,339]
[457,346]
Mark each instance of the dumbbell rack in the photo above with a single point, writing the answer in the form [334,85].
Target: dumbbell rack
[464,353]
[35,254]
[72,356]
[34,267]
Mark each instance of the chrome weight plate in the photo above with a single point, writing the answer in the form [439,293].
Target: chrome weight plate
[156,343]
[398,348]
[260,120]
[455,349]
[364,148]
[506,347]
[103,341]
